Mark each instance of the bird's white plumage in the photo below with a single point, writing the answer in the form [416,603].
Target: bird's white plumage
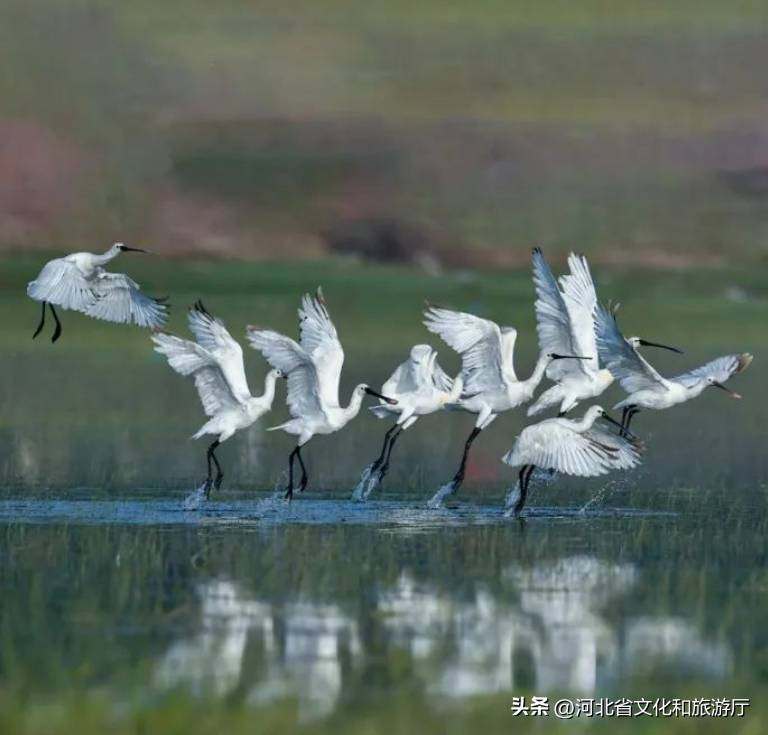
[410,375]
[419,385]
[290,358]
[626,364]
[211,334]
[481,346]
[215,361]
[553,320]
[573,447]
[79,282]
[565,325]
[318,338]
[720,369]
[581,300]
[119,299]
[189,358]
[61,282]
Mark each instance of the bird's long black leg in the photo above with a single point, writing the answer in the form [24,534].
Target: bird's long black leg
[42,321]
[385,467]
[57,331]
[458,478]
[219,473]
[289,491]
[525,478]
[634,410]
[304,477]
[624,415]
[380,458]
[209,478]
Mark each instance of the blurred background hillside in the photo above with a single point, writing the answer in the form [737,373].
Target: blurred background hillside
[443,133]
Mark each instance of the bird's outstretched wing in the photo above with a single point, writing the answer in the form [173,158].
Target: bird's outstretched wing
[440,379]
[592,453]
[721,369]
[553,321]
[61,283]
[189,358]
[211,334]
[478,341]
[581,300]
[283,353]
[410,375]
[119,299]
[318,339]
[628,366]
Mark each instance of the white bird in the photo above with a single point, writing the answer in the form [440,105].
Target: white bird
[490,384]
[80,283]
[648,389]
[420,387]
[313,368]
[215,360]
[572,447]
[565,323]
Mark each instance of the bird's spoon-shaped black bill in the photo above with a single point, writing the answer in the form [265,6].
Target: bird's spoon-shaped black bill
[126,249]
[555,356]
[731,393]
[646,343]
[372,392]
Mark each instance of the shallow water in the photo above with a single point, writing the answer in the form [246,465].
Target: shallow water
[328,601]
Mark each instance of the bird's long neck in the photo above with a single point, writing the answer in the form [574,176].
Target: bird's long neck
[585,422]
[103,259]
[269,389]
[538,373]
[355,402]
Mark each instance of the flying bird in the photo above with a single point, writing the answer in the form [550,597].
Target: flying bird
[215,361]
[80,283]
[420,387]
[313,368]
[565,310]
[646,388]
[571,447]
[490,384]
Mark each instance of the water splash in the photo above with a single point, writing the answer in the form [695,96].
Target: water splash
[277,500]
[600,495]
[445,491]
[196,498]
[362,491]
[513,496]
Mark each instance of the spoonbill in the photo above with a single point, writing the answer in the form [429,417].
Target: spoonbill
[572,447]
[490,384]
[565,323]
[80,283]
[215,360]
[648,389]
[420,387]
[313,368]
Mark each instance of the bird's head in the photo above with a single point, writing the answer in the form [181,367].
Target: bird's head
[637,342]
[277,373]
[364,389]
[125,249]
[713,383]
[556,356]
